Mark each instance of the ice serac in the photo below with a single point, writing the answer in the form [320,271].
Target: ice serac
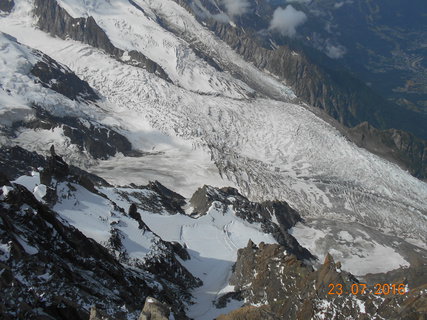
[55,20]
[217,119]
[323,83]
[317,79]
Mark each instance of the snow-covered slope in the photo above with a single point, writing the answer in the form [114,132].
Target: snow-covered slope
[212,240]
[270,149]
[135,27]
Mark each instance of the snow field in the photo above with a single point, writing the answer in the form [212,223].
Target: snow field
[269,149]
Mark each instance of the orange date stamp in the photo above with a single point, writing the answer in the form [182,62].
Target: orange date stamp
[362,288]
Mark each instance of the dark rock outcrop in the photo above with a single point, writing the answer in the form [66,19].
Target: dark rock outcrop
[133,212]
[154,310]
[66,270]
[158,199]
[62,80]
[56,168]
[96,314]
[56,20]
[52,269]
[398,146]
[253,212]
[16,161]
[172,201]
[7,5]
[94,138]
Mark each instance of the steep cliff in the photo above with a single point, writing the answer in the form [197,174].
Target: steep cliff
[56,20]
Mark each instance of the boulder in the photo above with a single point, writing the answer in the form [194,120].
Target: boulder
[154,310]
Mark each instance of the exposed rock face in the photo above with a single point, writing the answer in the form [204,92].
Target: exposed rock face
[96,314]
[253,212]
[410,151]
[59,264]
[172,201]
[94,140]
[62,80]
[7,5]
[154,310]
[55,20]
[68,272]
[287,289]
[97,140]
[16,161]
[157,199]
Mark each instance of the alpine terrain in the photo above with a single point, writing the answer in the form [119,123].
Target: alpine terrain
[211,159]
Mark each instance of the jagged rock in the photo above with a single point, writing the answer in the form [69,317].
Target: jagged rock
[154,310]
[96,314]
[4,181]
[180,250]
[133,212]
[172,201]
[96,139]
[253,212]
[16,161]
[56,20]
[398,146]
[61,79]
[40,244]
[56,168]
[222,301]
[202,200]
[7,5]
[286,288]
[158,199]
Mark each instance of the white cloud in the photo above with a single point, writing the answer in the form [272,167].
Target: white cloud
[335,51]
[339,4]
[285,21]
[300,1]
[236,7]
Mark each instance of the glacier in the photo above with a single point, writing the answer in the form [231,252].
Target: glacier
[207,127]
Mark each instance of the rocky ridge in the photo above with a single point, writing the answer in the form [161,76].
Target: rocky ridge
[7,5]
[320,82]
[69,272]
[264,213]
[395,145]
[58,22]
[162,268]
[277,285]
